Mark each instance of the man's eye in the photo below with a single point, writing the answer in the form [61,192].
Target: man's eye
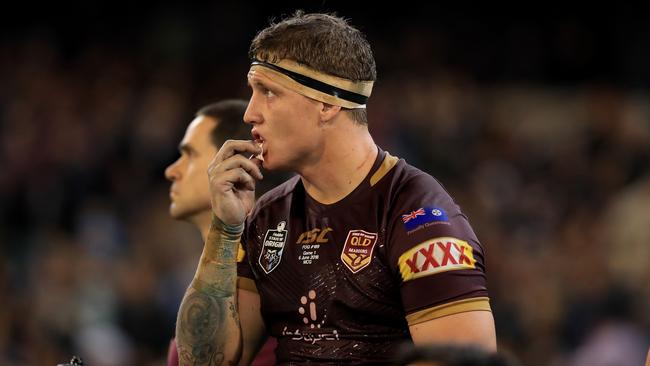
[268,92]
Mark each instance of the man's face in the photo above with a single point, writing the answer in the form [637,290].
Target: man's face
[190,190]
[286,122]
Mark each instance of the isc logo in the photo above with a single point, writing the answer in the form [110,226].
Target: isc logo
[435,256]
[313,236]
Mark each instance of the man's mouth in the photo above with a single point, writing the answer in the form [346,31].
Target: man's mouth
[257,137]
[259,140]
[259,155]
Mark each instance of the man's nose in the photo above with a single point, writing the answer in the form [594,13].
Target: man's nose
[172,173]
[252,116]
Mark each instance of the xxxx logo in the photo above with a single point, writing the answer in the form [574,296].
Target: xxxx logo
[314,236]
[435,256]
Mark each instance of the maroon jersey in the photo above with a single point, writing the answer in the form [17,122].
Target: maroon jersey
[341,283]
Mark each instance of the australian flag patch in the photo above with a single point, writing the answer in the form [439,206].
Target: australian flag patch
[422,216]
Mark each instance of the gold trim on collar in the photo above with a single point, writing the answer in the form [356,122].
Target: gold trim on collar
[386,165]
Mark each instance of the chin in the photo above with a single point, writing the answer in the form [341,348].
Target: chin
[176,213]
[272,165]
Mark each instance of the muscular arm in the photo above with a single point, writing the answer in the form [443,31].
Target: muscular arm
[472,327]
[253,330]
[208,328]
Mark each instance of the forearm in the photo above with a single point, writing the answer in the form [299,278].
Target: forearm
[207,328]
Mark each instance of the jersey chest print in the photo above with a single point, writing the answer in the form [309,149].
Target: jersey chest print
[272,247]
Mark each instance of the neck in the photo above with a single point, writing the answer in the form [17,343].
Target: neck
[347,157]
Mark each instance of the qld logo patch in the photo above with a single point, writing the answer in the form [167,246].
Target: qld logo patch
[435,256]
[424,216]
[357,251]
[273,247]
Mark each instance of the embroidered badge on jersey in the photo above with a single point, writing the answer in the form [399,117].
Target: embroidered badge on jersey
[357,251]
[424,216]
[273,247]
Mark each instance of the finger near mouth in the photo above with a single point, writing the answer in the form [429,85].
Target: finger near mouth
[261,154]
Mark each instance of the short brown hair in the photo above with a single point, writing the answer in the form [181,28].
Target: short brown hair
[324,42]
[229,115]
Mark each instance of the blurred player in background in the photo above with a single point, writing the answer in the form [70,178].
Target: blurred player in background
[189,192]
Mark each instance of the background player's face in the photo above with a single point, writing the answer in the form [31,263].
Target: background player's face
[287,123]
[190,191]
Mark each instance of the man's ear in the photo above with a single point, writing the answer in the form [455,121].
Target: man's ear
[328,111]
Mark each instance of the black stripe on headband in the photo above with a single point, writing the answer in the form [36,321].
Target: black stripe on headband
[316,85]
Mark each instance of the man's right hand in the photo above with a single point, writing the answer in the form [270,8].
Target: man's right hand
[232,180]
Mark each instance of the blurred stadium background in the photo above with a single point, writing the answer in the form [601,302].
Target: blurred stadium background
[537,121]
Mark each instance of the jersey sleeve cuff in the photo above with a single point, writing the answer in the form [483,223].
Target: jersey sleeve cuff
[455,307]
[246,284]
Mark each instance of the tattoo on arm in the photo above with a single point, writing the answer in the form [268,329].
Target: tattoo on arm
[200,315]
[208,311]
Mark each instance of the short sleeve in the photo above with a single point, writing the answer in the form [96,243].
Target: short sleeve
[434,252]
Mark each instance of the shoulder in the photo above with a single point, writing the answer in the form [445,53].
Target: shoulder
[412,186]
